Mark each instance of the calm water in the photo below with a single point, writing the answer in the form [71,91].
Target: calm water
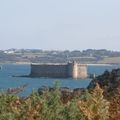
[7,81]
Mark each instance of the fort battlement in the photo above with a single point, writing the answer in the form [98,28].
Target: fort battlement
[56,70]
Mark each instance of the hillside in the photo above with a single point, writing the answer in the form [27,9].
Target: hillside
[35,55]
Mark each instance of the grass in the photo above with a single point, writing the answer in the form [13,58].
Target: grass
[110,60]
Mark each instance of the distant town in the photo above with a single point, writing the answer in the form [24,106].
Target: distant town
[89,56]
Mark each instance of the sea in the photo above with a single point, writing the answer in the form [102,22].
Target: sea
[7,80]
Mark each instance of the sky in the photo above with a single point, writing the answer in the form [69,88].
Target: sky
[60,24]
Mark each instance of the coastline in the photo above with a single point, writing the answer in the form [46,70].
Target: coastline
[88,64]
[16,63]
[101,64]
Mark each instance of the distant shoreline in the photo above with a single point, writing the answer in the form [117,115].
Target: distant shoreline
[101,64]
[16,63]
[28,63]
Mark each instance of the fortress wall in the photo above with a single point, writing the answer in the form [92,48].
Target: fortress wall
[81,71]
[70,70]
[45,70]
[75,71]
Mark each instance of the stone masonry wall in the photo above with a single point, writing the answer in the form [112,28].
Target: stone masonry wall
[81,71]
[60,71]
[70,70]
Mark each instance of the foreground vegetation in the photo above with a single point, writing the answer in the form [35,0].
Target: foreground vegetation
[109,81]
[49,106]
[101,101]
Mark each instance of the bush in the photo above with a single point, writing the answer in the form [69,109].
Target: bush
[94,106]
[48,106]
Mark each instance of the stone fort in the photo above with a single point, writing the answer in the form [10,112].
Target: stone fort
[62,70]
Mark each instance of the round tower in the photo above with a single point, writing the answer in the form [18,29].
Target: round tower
[74,70]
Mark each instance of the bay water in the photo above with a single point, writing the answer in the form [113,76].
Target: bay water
[9,70]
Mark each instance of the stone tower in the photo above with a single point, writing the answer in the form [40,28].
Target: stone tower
[77,71]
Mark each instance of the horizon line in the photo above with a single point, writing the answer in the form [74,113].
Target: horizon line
[59,49]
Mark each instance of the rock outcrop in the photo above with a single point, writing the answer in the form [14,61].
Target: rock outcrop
[108,81]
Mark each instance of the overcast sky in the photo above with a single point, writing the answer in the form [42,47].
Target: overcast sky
[60,24]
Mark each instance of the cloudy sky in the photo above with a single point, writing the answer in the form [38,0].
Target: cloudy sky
[60,24]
